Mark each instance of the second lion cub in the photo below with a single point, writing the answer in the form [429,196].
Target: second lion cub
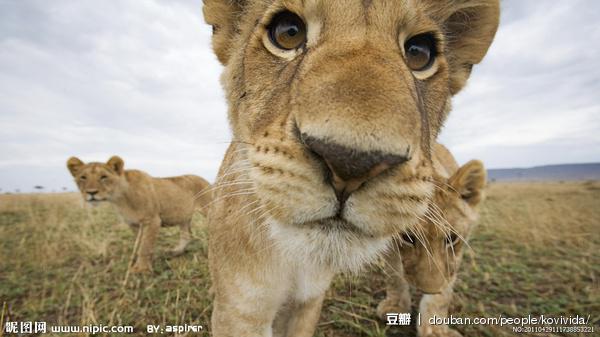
[145,203]
[430,259]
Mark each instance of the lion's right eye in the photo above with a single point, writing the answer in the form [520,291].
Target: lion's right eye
[287,31]
[82,178]
[409,239]
[420,52]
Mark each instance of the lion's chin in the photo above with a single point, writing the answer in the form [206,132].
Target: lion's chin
[332,243]
[95,202]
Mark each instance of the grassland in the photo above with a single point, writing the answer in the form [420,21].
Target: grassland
[536,251]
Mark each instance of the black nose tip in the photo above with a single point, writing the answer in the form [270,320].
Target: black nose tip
[92,192]
[350,168]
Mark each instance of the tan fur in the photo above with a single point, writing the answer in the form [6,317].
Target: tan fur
[431,263]
[276,232]
[144,202]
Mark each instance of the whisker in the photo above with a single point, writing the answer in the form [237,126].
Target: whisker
[437,212]
[215,187]
[248,191]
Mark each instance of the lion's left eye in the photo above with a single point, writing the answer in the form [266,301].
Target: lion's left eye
[420,52]
[452,239]
[287,31]
[103,178]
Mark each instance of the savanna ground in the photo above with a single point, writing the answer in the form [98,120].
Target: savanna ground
[536,251]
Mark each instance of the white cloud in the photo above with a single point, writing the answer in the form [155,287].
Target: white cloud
[537,87]
[139,79]
[134,78]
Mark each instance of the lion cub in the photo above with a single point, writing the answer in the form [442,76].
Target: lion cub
[428,259]
[143,201]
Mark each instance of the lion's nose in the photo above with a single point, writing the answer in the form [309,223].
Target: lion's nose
[92,192]
[350,168]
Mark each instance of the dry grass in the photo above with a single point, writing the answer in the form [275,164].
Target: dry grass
[535,252]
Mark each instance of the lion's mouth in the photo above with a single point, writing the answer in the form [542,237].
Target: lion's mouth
[336,223]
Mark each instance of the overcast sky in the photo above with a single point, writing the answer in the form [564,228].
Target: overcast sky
[138,79]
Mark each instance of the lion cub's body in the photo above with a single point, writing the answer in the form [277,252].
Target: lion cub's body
[170,198]
[144,202]
[431,260]
[331,149]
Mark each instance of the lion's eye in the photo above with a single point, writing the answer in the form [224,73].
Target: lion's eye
[103,178]
[408,239]
[452,239]
[420,52]
[82,178]
[287,31]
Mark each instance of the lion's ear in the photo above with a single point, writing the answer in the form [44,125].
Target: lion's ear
[223,16]
[116,164]
[469,181]
[74,164]
[469,27]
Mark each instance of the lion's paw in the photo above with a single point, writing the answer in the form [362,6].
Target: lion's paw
[177,251]
[141,268]
[393,304]
[439,331]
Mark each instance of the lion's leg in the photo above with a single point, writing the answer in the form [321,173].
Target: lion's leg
[304,318]
[397,288]
[436,305]
[247,312]
[185,236]
[150,229]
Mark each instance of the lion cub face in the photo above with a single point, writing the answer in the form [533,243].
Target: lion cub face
[431,257]
[98,182]
[334,104]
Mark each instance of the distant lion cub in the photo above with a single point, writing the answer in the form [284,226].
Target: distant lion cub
[430,259]
[142,200]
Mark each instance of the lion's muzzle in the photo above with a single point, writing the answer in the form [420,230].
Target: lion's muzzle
[347,169]
[91,195]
